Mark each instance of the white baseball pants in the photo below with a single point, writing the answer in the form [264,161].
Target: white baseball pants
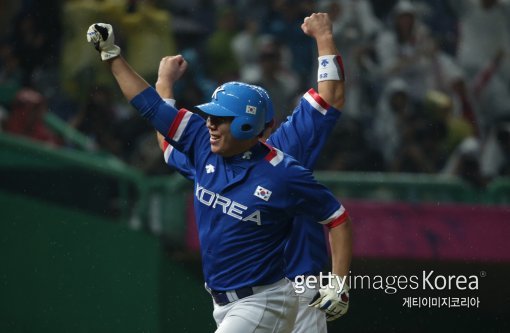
[271,309]
[309,320]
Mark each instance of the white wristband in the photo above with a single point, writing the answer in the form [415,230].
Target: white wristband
[331,68]
[170,101]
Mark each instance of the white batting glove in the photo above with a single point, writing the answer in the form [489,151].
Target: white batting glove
[101,34]
[332,299]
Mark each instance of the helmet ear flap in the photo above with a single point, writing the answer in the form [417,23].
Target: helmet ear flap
[243,127]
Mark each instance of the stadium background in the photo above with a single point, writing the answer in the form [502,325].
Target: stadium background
[96,234]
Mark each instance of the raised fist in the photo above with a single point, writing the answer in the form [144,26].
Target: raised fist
[101,34]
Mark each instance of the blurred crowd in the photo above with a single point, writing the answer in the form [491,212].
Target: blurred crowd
[427,81]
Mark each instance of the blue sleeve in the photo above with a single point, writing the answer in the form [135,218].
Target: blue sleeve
[183,129]
[309,198]
[306,131]
[179,162]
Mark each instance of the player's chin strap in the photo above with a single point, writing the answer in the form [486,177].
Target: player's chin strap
[331,68]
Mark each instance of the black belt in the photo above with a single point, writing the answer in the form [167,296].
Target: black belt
[225,297]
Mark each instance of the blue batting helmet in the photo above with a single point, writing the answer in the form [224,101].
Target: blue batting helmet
[269,104]
[242,101]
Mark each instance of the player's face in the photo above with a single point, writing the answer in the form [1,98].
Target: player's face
[221,139]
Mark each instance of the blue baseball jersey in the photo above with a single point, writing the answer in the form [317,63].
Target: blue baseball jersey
[302,136]
[245,204]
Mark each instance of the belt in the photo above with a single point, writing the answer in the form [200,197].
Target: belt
[225,297]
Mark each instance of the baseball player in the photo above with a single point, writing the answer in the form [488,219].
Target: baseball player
[302,136]
[246,194]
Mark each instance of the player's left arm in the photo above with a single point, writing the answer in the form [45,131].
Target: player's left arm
[312,199]
[304,134]
[330,74]
[178,161]
[170,70]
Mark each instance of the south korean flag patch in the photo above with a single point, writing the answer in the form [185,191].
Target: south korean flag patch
[262,193]
[251,109]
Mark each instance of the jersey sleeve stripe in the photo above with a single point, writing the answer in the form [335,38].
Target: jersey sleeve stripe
[165,145]
[274,156]
[338,221]
[316,101]
[179,124]
[338,213]
[183,125]
[277,159]
[168,152]
[270,155]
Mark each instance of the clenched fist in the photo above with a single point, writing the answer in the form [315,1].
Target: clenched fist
[101,34]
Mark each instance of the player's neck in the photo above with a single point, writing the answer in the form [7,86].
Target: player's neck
[241,147]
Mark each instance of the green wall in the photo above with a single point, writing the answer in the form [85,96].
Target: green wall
[64,271]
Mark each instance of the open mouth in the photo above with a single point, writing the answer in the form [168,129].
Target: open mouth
[214,139]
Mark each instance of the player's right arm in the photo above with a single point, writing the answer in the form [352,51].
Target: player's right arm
[184,130]
[334,298]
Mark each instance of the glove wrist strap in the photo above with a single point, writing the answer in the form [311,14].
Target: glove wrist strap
[110,53]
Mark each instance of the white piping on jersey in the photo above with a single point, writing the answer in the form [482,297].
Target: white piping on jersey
[168,152]
[335,215]
[277,158]
[315,104]
[182,126]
